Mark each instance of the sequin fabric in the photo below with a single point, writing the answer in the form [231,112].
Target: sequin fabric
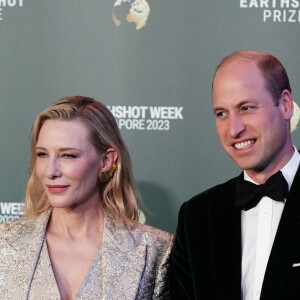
[44,285]
[134,260]
[20,245]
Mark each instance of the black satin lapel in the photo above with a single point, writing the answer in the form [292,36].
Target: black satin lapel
[225,220]
[286,247]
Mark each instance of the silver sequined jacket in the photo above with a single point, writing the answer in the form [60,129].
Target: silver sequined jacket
[134,259]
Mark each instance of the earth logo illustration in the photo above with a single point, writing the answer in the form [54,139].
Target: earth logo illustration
[136,11]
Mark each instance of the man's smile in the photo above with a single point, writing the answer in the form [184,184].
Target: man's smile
[243,145]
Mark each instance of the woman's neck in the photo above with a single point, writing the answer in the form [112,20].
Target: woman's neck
[77,224]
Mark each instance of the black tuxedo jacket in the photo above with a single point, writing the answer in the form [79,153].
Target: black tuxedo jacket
[206,258]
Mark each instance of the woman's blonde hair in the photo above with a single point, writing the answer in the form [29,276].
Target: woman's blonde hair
[119,193]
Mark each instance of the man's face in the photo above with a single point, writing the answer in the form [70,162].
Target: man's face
[252,130]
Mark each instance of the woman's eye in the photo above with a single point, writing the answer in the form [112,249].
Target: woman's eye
[68,155]
[41,154]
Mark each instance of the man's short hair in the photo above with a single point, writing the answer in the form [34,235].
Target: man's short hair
[272,70]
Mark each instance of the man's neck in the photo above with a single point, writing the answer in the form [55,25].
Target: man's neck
[261,176]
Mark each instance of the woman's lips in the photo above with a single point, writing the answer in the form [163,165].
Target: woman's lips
[55,189]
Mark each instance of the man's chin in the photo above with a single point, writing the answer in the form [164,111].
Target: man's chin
[244,164]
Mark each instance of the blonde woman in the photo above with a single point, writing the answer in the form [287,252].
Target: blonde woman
[81,238]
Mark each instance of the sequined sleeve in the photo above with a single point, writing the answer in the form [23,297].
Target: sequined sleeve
[161,290]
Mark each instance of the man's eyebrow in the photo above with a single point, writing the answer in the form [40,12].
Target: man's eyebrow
[218,108]
[247,101]
[241,103]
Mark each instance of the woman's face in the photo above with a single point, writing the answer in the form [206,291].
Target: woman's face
[67,164]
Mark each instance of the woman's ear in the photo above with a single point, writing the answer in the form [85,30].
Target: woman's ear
[108,158]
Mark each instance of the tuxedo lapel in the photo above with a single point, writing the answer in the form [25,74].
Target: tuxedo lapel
[286,246]
[225,228]
[123,262]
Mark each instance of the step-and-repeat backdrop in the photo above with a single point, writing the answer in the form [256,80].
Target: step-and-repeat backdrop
[151,62]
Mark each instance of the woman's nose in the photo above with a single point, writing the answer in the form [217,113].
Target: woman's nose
[53,169]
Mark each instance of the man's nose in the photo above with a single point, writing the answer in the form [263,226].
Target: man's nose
[53,168]
[236,125]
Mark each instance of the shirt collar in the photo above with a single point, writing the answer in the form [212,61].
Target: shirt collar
[288,171]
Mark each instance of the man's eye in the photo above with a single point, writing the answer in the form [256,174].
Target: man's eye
[248,108]
[220,114]
[245,107]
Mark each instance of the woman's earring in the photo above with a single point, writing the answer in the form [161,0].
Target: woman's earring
[105,176]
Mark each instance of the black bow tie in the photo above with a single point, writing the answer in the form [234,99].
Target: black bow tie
[249,194]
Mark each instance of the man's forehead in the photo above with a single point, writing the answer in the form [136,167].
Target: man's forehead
[239,69]
[238,62]
[241,80]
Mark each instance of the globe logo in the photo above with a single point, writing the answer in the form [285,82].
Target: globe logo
[136,11]
[295,118]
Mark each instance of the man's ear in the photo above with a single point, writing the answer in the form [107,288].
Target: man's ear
[287,103]
[108,158]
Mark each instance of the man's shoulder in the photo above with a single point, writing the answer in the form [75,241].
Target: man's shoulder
[215,194]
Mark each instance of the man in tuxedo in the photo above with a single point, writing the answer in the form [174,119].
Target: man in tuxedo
[241,239]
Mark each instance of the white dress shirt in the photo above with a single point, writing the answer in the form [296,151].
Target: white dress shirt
[259,227]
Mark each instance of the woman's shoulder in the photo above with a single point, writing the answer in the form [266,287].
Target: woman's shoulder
[148,229]
[152,235]
[22,227]
[136,230]
[15,226]
[14,232]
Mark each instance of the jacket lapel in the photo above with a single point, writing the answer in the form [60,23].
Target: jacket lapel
[225,226]
[20,247]
[286,247]
[123,261]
